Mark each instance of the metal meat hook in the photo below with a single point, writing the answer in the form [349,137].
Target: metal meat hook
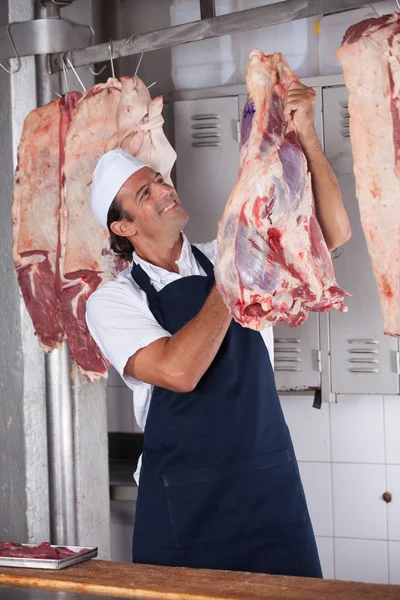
[18,67]
[69,61]
[110,48]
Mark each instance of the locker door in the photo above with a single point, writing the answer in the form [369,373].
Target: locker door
[363,359]
[206,135]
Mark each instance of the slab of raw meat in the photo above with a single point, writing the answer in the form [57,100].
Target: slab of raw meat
[370,57]
[139,128]
[272,264]
[86,258]
[35,215]
[43,550]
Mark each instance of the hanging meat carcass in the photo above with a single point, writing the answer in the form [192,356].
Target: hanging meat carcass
[272,264]
[139,128]
[86,259]
[61,253]
[370,57]
[36,215]
[108,115]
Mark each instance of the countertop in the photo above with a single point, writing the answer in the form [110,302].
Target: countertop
[125,580]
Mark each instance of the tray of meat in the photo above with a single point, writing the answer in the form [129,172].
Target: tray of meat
[43,556]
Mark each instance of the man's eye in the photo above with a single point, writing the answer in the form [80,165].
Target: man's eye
[160,180]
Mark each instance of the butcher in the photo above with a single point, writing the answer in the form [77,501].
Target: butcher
[219,485]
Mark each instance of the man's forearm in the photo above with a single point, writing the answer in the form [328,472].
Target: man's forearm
[330,210]
[191,350]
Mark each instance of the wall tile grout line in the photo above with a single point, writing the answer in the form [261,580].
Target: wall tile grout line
[332,492]
[386,484]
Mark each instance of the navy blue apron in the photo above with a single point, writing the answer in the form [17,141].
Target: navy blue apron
[219,485]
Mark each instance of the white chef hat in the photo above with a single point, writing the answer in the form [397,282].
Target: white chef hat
[110,174]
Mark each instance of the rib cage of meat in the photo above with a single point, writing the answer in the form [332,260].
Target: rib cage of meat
[370,57]
[36,215]
[86,260]
[272,263]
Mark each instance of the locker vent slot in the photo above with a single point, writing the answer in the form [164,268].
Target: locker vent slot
[344,119]
[287,353]
[206,130]
[363,355]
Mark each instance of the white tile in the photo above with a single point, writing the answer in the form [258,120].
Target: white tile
[120,415]
[326,556]
[122,516]
[392,429]
[393,507]
[394,563]
[358,508]
[309,427]
[114,378]
[121,542]
[361,560]
[357,430]
[317,483]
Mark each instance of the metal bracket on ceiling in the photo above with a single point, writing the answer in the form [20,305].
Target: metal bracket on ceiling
[42,36]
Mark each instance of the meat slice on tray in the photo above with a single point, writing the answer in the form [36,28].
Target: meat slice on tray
[140,128]
[370,57]
[36,215]
[43,550]
[272,263]
[86,258]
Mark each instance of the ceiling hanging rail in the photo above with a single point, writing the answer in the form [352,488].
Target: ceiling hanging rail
[262,16]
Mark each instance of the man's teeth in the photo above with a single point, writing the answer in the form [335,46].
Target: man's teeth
[168,207]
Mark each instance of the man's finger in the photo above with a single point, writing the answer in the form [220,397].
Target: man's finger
[296,85]
[280,91]
[290,106]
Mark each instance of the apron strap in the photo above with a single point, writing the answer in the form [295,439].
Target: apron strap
[204,262]
[142,279]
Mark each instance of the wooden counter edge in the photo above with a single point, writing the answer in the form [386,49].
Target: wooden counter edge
[125,580]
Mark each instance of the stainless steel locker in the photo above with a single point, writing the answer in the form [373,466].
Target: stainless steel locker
[363,359]
[206,138]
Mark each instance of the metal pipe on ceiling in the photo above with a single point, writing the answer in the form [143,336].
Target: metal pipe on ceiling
[60,439]
[254,18]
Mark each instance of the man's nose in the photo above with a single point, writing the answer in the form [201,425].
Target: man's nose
[162,190]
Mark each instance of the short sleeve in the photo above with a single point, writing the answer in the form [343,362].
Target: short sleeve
[121,323]
[268,336]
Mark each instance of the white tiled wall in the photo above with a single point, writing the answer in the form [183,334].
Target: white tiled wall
[349,455]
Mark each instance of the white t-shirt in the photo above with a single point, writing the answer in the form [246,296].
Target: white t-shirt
[121,323]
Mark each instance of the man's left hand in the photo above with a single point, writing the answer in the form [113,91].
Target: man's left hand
[298,105]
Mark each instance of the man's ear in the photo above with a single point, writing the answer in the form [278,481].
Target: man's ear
[123,228]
